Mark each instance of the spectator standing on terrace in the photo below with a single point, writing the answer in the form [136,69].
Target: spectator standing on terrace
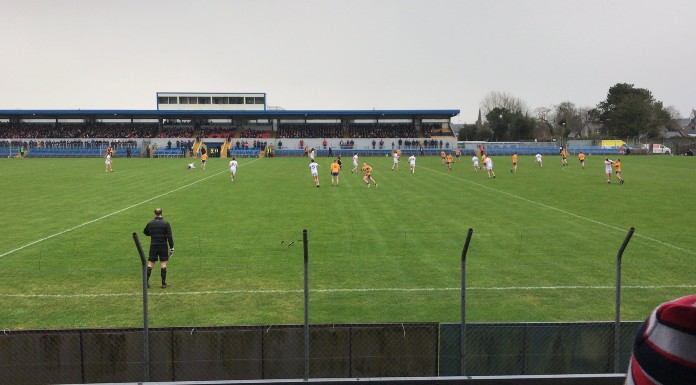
[107,162]
[314,168]
[160,233]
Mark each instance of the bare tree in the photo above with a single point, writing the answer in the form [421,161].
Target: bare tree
[503,100]
[673,112]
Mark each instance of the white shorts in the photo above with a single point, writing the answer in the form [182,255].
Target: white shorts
[315,173]
[107,162]
[413,164]
[607,170]
[396,161]
[355,164]
[475,164]
[489,168]
[233,169]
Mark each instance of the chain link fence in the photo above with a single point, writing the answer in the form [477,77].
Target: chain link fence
[395,315]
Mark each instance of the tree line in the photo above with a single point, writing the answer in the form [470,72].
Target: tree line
[626,112]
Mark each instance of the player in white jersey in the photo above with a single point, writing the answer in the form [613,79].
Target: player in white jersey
[475,161]
[538,160]
[412,163]
[489,167]
[191,166]
[607,168]
[233,168]
[396,161]
[107,163]
[355,163]
[314,168]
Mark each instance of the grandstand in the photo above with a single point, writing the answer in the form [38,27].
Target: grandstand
[168,132]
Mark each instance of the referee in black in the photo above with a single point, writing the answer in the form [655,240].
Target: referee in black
[160,232]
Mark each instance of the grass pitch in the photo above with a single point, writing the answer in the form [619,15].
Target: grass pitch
[544,245]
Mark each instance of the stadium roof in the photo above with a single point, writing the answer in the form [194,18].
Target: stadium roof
[269,114]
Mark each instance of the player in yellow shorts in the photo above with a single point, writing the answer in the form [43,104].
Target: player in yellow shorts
[335,169]
[617,169]
[368,174]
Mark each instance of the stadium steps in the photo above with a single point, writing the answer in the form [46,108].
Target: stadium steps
[196,146]
[225,146]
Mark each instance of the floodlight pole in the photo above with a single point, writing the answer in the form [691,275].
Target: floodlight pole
[306,305]
[146,333]
[462,328]
[617,320]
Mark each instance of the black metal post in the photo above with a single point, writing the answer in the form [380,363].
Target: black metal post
[306,305]
[146,333]
[617,320]
[462,329]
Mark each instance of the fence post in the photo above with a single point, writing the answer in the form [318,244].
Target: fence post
[462,328]
[306,305]
[146,333]
[617,320]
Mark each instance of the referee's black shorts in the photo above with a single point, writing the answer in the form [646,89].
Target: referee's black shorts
[160,252]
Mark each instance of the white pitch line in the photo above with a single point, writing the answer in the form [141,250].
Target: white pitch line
[345,290]
[115,212]
[564,212]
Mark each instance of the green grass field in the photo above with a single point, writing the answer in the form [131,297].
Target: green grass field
[544,245]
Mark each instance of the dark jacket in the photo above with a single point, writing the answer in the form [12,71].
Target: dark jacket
[159,232]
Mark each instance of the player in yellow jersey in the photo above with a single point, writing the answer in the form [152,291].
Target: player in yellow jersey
[204,158]
[581,158]
[483,161]
[617,169]
[449,162]
[564,156]
[335,169]
[514,163]
[368,174]
[457,154]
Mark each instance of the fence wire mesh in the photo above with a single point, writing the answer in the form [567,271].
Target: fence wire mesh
[393,312]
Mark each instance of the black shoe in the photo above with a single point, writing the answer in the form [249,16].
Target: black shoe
[164,286]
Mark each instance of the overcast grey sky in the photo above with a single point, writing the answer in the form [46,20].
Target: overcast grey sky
[352,54]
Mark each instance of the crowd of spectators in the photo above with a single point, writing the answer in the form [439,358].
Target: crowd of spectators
[435,129]
[383,130]
[176,131]
[310,130]
[244,144]
[69,143]
[249,133]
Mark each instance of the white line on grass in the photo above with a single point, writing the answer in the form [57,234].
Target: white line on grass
[345,290]
[563,211]
[116,212]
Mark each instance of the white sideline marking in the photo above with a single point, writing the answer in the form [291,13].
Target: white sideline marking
[116,212]
[345,290]
[563,211]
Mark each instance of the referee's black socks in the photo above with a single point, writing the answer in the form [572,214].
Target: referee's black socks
[163,273]
[149,271]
